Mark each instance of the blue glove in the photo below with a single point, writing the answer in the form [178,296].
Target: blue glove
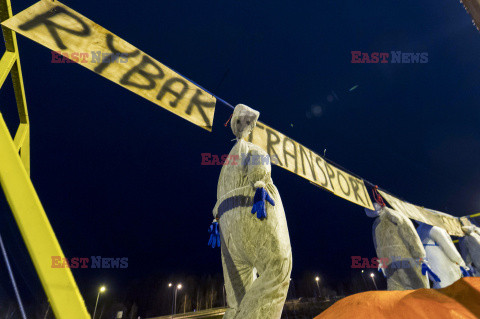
[214,235]
[465,272]
[380,267]
[383,273]
[426,269]
[259,202]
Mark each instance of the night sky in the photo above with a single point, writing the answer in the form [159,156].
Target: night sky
[121,177]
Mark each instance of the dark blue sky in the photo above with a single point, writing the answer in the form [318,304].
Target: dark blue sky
[121,177]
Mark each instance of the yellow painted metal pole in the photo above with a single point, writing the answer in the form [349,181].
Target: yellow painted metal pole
[59,284]
[6,63]
[11,62]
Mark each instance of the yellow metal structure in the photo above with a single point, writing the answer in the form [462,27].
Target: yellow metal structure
[41,242]
[59,285]
[10,63]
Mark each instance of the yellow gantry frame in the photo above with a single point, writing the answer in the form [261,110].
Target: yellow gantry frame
[41,242]
[10,63]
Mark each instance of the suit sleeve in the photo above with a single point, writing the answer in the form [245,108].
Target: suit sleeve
[257,163]
[408,233]
[463,244]
[443,240]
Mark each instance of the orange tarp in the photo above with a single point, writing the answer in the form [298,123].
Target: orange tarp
[460,300]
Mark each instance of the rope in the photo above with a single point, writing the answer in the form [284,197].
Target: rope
[218,99]
[12,279]
[226,123]
[368,183]
[378,198]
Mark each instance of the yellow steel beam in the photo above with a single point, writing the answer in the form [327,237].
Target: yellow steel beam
[475,215]
[59,285]
[11,46]
[20,136]
[22,144]
[6,63]
[25,148]
[17,78]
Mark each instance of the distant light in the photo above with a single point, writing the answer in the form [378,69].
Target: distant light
[362,271]
[317,278]
[316,110]
[353,88]
[102,289]
[179,286]
[170,284]
[372,275]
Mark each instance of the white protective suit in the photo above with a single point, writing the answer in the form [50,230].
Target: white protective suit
[395,238]
[470,248]
[248,242]
[443,257]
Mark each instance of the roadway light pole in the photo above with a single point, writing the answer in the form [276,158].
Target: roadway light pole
[174,303]
[294,301]
[373,279]
[170,286]
[317,279]
[364,281]
[102,289]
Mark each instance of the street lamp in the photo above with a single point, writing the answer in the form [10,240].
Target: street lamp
[174,304]
[292,284]
[364,281]
[102,289]
[317,279]
[373,279]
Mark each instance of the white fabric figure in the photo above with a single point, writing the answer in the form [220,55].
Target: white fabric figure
[396,240]
[443,257]
[470,248]
[249,240]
